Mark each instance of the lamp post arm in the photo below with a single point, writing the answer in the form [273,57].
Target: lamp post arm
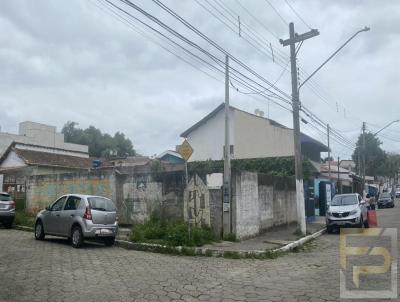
[396,121]
[332,55]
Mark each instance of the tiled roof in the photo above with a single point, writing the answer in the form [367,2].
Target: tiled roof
[37,158]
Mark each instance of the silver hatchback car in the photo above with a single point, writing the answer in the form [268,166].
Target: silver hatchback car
[79,217]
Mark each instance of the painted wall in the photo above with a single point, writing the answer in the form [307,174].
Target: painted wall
[255,137]
[197,202]
[208,140]
[44,189]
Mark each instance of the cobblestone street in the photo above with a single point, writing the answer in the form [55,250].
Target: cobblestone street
[53,271]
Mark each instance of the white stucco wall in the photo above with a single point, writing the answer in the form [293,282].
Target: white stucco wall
[256,137]
[208,140]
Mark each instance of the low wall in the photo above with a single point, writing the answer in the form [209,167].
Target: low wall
[41,190]
[261,202]
[143,197]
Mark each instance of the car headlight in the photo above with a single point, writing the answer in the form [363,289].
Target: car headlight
[329,213]
[354,212]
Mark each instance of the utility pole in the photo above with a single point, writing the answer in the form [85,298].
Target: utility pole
[338,176]
[227,156]
[293,39]
[329,151]
[363,158]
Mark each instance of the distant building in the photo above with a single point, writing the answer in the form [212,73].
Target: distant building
[39,160]
[46,136]
[251,136]
[170,156]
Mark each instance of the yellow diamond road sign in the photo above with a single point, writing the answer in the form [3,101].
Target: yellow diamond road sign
[185,150]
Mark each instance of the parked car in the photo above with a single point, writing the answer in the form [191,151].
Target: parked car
[79,217]
[7,210]
[397,192]
[346,210]
[385,201]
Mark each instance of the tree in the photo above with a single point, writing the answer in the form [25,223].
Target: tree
[100,144]
[374,155]
[391,166]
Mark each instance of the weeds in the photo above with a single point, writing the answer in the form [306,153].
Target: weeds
[171,233]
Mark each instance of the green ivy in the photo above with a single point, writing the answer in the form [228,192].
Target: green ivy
[277,166]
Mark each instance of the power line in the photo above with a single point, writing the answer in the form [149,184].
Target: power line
[195,30]
[297,14]
[167,39]
[277,12]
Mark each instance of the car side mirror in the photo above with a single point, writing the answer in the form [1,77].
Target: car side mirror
[48,208]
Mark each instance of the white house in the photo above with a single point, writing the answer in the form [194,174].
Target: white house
[251,136]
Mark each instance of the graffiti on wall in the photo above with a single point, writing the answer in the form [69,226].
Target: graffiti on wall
[140,199]
[197,202]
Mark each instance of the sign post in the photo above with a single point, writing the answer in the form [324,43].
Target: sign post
[186,150]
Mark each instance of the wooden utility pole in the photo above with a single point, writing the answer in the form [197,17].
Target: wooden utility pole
[227,156]
[293,39]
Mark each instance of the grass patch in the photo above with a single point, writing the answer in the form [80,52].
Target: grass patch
[24,219]
[171,233]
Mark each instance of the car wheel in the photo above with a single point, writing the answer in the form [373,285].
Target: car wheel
[109,241]
[77,237]
[39,231]
[8,224]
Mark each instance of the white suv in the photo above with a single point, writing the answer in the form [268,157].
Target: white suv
[346,210]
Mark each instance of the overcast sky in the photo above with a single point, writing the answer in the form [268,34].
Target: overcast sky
[74,60]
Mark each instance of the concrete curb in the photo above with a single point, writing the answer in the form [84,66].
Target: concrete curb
[301,241]
[199,251]
[23,228]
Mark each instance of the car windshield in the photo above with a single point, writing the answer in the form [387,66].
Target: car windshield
[385,195]
[5,197]
[101,204]
[344,200]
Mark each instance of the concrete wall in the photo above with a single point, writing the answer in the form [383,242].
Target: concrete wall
[42,190]
[261,202]
[143,197]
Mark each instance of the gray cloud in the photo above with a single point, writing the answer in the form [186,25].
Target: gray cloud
[71,60]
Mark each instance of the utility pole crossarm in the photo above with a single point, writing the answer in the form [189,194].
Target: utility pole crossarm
[298,38]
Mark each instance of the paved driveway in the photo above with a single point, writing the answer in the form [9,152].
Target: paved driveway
[53,271]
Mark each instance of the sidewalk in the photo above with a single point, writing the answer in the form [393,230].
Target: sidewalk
[273,239]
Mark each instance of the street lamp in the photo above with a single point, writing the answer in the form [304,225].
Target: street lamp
[332,55]
[395,121]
